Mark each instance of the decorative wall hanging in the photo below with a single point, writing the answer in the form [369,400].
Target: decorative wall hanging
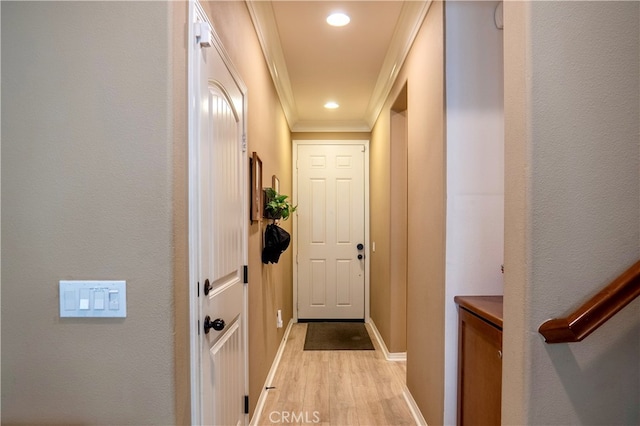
[256,187]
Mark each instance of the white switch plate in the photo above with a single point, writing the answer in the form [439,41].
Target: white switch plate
[91,299]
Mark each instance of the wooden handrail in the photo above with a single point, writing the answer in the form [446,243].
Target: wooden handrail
[596,311]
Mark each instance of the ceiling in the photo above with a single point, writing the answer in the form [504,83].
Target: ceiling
[312,63]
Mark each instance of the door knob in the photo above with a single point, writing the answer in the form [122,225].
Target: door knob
[360,256]
[360,246]
[207,287]
[217,324]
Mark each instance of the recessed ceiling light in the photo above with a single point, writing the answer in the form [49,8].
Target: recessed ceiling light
[331,105]
[338,19]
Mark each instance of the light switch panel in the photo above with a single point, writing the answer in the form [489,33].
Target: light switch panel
[102,299]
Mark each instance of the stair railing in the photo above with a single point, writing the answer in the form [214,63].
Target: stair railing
[596,311]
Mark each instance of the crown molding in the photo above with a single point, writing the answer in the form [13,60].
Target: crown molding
[331,126]
[411,17]
[264,22]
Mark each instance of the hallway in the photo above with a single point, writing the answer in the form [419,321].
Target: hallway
[335,387]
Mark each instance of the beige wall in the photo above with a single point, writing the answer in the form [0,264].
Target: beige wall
[423,72]
[91,147]
[398,228]
[270,286]
[179,12]
[572,200]
[95,175]
[380,233]
[426,219]
[388,200]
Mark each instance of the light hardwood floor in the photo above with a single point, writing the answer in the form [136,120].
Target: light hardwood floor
[336,388]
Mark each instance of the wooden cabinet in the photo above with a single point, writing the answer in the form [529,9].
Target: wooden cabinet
[479,360]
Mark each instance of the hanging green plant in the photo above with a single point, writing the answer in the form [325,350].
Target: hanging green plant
[276,205]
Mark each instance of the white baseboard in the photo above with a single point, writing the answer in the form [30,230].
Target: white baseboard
[389,356]
[413,407]
[272,372]
[399,356]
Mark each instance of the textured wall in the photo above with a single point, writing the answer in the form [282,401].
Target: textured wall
[180,153]
[423,72]
[398,218]
[380,208]
[87,194]
[389,224]
[423,75]
[572,207]
[475,166]
[422,301]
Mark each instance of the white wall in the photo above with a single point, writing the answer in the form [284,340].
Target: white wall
[572,207]
[475,167]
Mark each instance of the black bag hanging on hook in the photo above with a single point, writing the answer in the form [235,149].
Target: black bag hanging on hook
[276,241]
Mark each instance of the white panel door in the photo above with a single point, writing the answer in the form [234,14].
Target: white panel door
[330,219]
[221,194]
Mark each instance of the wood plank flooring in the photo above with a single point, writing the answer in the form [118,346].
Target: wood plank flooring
[335,388]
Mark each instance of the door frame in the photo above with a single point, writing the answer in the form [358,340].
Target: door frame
[197,11]
[367,263]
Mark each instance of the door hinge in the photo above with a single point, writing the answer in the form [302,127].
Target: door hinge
[246,404]
[198,286]
[245,273]
[244,143]
[202,32]
[198,327]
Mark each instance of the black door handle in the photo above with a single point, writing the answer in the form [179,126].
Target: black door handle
[360,246]
[360,256]
[217,324]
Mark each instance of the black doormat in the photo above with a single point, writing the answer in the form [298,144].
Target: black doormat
[337,336]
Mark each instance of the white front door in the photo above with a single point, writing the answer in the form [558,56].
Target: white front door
[219,203]
[331,255]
